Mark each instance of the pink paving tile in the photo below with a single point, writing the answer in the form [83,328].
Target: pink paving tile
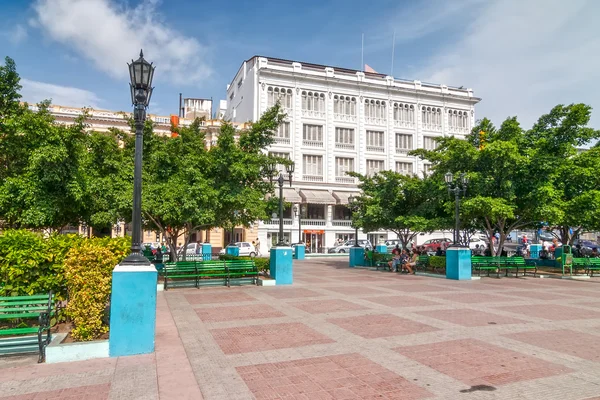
[467,317]
[217,314]
[354,290]
[565,341]
[553,312]
[401,301]
[266,337]
[290,293]
[419,287]
[538,295]
[383,325]
[311,279]
[95,392]
[43,370]
[224,295]
[347,376]
[474,362]
[579,292]
[327,306]
[474,297]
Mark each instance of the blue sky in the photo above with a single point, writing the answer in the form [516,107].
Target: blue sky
[521,56]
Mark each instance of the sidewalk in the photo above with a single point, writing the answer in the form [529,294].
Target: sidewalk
[341,333]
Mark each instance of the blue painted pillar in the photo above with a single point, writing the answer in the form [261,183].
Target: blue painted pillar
[206,252]
[132,310]
[534,250]
[458,263]
[233,251]
[357,256]
[299,252]
[280,265]
[381,248]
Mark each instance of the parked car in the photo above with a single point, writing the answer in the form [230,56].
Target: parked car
[246,249]
[474,241]
[345,248]
[192,248]
[586,246]
[431,245]
[546,236]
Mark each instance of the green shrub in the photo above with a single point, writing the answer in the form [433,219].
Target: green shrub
[88,273]
[437,262]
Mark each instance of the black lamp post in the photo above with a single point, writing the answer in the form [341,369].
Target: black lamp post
[141,73]
[271,170]
[236,214]
[352,204]
[298,213]
[459,187]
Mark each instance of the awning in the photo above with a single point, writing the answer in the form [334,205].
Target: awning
[342,197]
[291,196]
[317,197]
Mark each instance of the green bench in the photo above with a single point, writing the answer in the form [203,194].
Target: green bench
[422,263]
[16,310]
[497,264]
[580,263]
[382,261]
[593,265]
[209,273]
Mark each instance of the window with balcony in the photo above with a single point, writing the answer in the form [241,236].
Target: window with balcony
[313,104]
[374,167]
[405,168]
[431,118]
[375,111]
[404,143]
[342,212]
[312,135]
[280,167]
[344,138]
[284,95]
[344,108]
[315,211]
[404,115]
[429,143]
[458,120]
[376,141]
[343,165]
[312,168]
[282,136]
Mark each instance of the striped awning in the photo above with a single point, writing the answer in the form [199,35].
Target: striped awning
[291,196]
[342,197]
[317,197]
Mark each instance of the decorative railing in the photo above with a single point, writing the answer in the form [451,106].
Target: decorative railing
[344,117]
[313,222]
[282,140]
[312,178]
[275,221]
[341,222]
[312,143]
[403,124]
[402,151]
[432,127]
[344,179]
[344,146]
[377,149]
[375,121]
[313,114]
[456,129]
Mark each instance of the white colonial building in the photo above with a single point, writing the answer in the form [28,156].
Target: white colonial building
[341,120]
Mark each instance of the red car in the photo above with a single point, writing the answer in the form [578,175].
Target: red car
[432,245]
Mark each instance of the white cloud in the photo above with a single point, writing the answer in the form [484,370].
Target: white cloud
[34,92]
[16,35]
[110,35]
[522,57]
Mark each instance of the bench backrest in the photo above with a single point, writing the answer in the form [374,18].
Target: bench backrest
[25,306]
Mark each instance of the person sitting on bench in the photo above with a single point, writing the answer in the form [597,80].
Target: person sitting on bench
[411,263]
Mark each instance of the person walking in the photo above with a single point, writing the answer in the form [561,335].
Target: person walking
[257,247]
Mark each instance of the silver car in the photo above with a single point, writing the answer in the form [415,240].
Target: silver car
[345,248]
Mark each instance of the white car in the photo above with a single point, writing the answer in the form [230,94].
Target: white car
[474,241]
[246,249]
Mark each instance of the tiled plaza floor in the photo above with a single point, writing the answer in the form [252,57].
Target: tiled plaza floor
[341,333]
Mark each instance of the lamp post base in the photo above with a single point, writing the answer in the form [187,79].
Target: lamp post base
[281,265]
[135,259]
[357,256]
[458,263]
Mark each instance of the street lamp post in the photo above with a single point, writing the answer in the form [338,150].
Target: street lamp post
[352,204]
[298,213]
[272,169]
[459,188]
[141,73]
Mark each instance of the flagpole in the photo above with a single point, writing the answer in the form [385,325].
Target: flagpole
[393,48]
[362,53]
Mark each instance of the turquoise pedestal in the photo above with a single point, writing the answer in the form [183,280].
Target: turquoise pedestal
[299,252]
[534,250]
[281,265]
[381,248]
[132,310]
[206,251]
[357,256]
[458,263]
[233,251]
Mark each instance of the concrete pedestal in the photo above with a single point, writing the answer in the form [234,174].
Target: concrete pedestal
[534,250]
[458,263]
[206,251]
[281,265]
[132,310]
[233,251]
[299,252]
[357,256]
[381,248]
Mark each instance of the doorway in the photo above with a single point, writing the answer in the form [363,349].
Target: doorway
[314,240]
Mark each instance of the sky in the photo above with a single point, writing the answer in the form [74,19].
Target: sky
[522,57]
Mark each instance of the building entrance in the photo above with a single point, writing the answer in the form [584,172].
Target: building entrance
[314,240]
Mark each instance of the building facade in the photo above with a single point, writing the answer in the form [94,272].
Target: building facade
[341,120]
